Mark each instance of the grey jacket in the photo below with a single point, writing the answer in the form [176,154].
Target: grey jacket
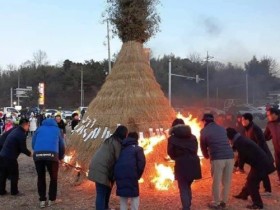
[102,164]
[214,143]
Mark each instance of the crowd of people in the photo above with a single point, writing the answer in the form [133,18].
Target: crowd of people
[48,148]
[219,144]
[120,152]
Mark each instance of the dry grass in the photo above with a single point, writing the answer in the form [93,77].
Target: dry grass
[130,96]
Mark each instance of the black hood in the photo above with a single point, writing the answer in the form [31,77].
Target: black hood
[181,136]
[129,141]
[180,131]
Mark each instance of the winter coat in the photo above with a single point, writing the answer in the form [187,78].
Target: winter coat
[8,126]
[62,127]
[250,153]
[74,123]
[129,168]
[272,131]
[254,132]
[47,142]
[40,119]
[33,124]
[15,144]
[101,168]
[214,143]
[4,136]
[182,147]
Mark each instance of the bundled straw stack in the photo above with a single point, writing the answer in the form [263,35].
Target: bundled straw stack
[131,97]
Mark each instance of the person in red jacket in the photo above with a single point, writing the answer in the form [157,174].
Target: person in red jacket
[272,131]
[255,133]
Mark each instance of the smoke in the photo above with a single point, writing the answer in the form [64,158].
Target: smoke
[212,26]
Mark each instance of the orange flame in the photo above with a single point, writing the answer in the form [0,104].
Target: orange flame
[148,144]
[141,181]
[67,158]
[196,127]
[164,178]
[78,167]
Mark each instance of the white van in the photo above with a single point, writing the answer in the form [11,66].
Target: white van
[10,111]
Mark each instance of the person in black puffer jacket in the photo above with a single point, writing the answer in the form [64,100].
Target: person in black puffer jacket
[182,147]
[128,170]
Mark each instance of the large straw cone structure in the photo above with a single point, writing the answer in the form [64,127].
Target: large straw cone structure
[131,97]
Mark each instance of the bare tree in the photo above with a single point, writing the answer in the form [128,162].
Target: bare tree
[40,58]
[28,64]
[271,64]
[195,57]
[11,67]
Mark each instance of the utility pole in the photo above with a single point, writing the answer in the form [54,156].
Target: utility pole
[247,89]
[82,87]
[109,44]
[169,81]
[217,97]
[18,87]
[208,57]
[196,78]
[11,97]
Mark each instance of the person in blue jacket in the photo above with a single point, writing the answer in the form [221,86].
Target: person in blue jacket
[48,147]
[128,170]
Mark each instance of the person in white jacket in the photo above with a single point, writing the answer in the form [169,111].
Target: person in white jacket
[33,124]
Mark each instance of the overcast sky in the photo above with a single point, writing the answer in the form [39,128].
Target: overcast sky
[231,30]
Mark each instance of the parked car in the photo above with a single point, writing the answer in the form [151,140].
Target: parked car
[66,114]
[242,109]
[51,112]
[10,111]
[262,109]
[214,111]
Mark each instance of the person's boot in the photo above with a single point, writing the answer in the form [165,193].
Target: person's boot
[223,205]
[266,194]
[51,203]
[18,194]
[254,206]
[240,196]
[3,193]
[42,204]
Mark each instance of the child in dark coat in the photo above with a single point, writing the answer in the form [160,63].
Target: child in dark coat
[128,170]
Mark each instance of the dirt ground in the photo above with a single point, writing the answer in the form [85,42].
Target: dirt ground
[82,195]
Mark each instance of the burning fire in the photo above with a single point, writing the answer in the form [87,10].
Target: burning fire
[148,144]
[67,158]
[164,174]
[78,167]
[196,127]
[164,177]
[141,180]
